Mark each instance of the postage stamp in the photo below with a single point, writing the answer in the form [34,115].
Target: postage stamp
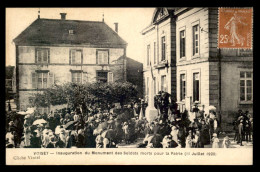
[235,28]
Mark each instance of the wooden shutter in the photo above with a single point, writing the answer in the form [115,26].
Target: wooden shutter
[105,57]
[34,80]
[48,56]
[110,77]
[51,79]
[100,57]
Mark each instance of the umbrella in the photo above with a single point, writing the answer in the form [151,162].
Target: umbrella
[22,113]
[102,126]
[212,108]
[39,121]
[69,124]
[109,134]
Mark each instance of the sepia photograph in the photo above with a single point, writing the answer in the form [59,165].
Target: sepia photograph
[90,79]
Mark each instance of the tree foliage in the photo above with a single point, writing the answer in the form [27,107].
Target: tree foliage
[101,95]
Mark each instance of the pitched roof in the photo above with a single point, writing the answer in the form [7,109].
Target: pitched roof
[53,31]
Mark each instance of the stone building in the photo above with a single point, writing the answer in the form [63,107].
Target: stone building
[204,73]
[59,50]
[159,56]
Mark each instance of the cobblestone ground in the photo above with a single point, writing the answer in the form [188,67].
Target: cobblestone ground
[231,136]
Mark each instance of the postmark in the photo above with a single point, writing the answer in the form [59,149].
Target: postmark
[235,28]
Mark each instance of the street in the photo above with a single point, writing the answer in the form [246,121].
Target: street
[231,136]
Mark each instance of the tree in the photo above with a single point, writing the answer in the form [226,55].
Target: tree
[98,94]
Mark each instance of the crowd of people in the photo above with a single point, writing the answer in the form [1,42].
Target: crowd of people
[243,127]
[68,128]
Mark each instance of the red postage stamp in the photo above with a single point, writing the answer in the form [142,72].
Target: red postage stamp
[235,28]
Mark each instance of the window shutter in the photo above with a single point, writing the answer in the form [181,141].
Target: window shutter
[105,56]
[70,57]
[36,52]
[110,77]
[34,79]
[48,55]
[85,77]
[100,58]
[51,79]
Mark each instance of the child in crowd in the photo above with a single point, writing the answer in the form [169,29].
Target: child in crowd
[215,141]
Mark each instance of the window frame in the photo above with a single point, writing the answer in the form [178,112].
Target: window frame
[81,58]
[181,86]
[154,53]
[163,48]
[165,89]
[199,94]
[81,76]
[37,50]
[36,79]
[148,54]
[108,57]
[101,71]
[245,79]
[180,41]
[196,54]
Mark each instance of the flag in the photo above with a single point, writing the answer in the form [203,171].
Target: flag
[141,114]
[151,70]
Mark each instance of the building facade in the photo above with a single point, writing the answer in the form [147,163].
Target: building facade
[58,51]
[204,73]
[160,53]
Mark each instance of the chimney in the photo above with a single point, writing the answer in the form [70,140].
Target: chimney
[63,16]
[116,27]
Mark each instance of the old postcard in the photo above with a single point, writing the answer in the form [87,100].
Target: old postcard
[129,86]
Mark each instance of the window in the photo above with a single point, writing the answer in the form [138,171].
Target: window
[195,31]
[42,80]
[182,43]
[246,86]
[163,48]
[75,56]
[148,54]
[42,55]
[76,77]
[196,87]
[154,52]
[71,32]
[182,87]
[105,76]
[164,83]
[102,57]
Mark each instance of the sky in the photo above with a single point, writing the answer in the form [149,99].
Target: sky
[131,22]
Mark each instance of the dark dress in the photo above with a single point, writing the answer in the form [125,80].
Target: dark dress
[35,142]
[71,141]
[204,135]
[50,145]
